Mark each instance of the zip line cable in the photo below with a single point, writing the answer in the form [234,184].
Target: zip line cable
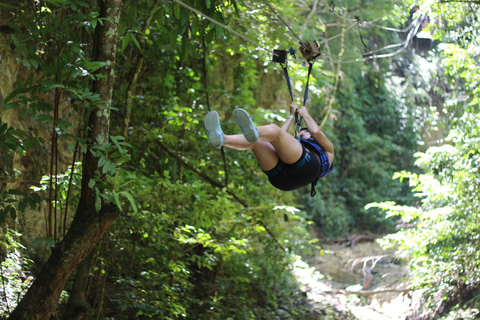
[404,44]
[370,24]
[386,55]
[222,25]
[338,35]
[288,27]
[415,23]
[356,23]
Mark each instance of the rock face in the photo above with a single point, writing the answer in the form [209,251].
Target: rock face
[23,171]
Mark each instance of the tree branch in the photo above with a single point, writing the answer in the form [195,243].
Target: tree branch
[365,293]
[314,9]
[467,1]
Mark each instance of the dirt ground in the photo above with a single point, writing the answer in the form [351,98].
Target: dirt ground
[379,278]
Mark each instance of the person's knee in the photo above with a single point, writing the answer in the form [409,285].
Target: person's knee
[274,129]
[270,132]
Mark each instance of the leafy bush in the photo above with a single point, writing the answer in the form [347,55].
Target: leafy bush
[443,245]
[197,254]
[15,277]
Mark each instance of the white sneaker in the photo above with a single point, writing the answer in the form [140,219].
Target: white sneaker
[245,122]
[214,130]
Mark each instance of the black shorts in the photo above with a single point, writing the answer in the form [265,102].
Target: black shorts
[287,177]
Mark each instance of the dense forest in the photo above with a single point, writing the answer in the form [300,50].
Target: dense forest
[113,204]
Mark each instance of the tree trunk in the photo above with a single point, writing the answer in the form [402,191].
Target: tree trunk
[88,225]
[76,306]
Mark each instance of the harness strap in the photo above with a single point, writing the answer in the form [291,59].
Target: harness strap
[298,119]
[285,71]
[305,96]
[312,190]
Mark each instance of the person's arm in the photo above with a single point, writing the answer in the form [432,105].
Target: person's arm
[316,133]
[291,118]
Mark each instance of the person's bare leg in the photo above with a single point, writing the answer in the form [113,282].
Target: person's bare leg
[266,155]
[286,146]
[237,142]
[273,143]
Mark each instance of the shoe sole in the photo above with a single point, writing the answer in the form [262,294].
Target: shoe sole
[244,121]
[214,130]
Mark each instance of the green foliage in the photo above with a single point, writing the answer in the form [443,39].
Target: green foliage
[67,76]
[201,232]
[374,138]
[197,254]
[14,200]
[442,246]
[440,235]
[18,140]
[192,250]
[15,277]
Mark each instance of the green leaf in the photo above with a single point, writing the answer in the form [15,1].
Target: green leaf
[117,200]
[98,203]
[12,105]
[6,6]
[13,213]
[43,242]
[131,200]
[101,161]
[113,168]
[15,192]
[106,166]
[91,183]
[36,198]
[3,129]
[64,125]
[22,205]
[15,93]
[176,9]
[44,117]
[122,159]
[125,41]
[34,63]
[55,2]
[135,41]
[94,65]
[3,215]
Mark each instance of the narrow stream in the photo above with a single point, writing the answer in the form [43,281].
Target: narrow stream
[380,279]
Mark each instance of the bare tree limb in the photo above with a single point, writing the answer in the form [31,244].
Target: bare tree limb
[368,293]
[467,1]
[314,9]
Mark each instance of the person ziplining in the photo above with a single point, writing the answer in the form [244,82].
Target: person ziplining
[290,163]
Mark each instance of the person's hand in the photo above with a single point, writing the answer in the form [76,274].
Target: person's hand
[302,111]
[293,108]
